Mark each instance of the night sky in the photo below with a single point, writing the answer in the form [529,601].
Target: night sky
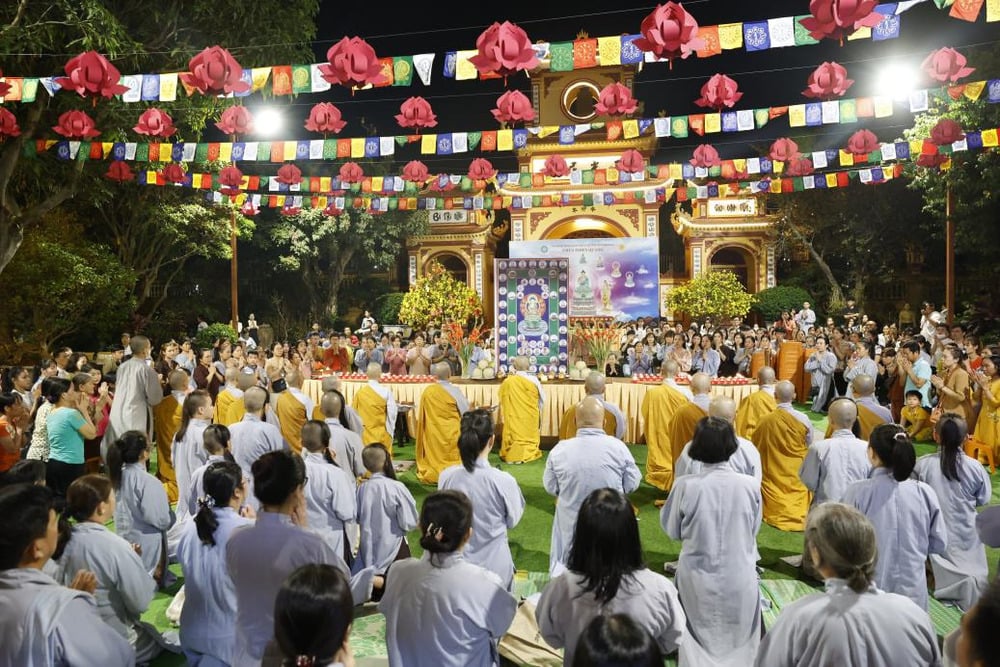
[768,78]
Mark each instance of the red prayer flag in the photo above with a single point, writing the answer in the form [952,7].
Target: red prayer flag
[843,179]
[865,107]
[584,53]
[281,79]
[213,152]
[966,10]
[489,141]
[278,151]
[709,34]
[697,124]
[614,128]
[343,148]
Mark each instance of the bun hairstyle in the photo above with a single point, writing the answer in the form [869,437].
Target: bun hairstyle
[895,449]
[477,429]
[220,483]
[85,494]
[616,640]
[57,387]
[951,431]
[844,540]
[445,520]
[276,475]
[126,449]
[312,613]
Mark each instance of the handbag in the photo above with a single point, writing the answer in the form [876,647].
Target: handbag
[279,385]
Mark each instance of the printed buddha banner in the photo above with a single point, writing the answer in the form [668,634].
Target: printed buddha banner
[616,278]
[531,312]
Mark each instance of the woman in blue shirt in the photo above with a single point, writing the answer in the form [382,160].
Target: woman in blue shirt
[67,426]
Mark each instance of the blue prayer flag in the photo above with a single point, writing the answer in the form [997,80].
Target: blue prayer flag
[756,36]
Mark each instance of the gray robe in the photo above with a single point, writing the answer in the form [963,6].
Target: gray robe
[386,512]
[46,625]
[875,407]
[575,468]
[497,506]
[908,526]
[717,514]
[330,499]
[745,460]
[960,573]
[822,366]
[197,489]
[833,465]
[650,599]
[863,366]
[347,447]
[188,455]
[137,390]
[142,512]
[848,629]
[442,611]
[250,439]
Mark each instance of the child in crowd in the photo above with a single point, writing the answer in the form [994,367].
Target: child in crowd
[386,512]
[915,418]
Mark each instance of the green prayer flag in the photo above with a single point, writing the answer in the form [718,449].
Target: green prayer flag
[679,127]
[524,180]
[588,176]
[30,150]
[588,200]
[329,149]
[142,152]
[849,111]
[200,152]
[301,79]
[488,203]
[715,171]
[473,139]
[798,184]
[536,201]
[402,70]
[466,184]
[400,140]
[802,36]
[393,203]
[761,117]
[263,151]
[29,89]
[561,55]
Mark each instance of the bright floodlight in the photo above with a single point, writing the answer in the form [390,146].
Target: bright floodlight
[268,122]
[897,81]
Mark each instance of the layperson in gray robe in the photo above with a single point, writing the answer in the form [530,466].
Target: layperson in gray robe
[198,484]
[716,514]
[860,364]
[188,454]
[576,467]
[330,491]
[961,573]
[834,464]
[137,391]
[746,458]
[142,513]
[386,512]
[821,365]
[345,442]
[853,623]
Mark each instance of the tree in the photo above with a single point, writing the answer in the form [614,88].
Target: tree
[437,298]
[59,284]
[717,296]
[322,247]
[139,36]
[771,302]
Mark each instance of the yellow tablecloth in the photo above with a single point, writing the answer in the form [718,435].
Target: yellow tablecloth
[558,397]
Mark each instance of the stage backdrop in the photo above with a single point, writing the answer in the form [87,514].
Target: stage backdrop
[607,277]
[531,316]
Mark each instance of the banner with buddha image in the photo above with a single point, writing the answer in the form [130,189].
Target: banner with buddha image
[616,278]
[531,316]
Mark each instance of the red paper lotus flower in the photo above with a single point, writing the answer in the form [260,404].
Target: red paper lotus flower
[719,92]
[836,19]
[4,86]
[155,123]
[946,64]
[706,156]
[76,124]
[325,117]
[236,120]
[416,112]
[931,160]
[231,178]
[248,209]
[174,173]
[291,210]
[415,171]
[331,209]
[799,166]
[90,73]
[555,166]
[615,99]
[513,106]
[481,169]
[828,81]
[8,124]
[862,143]
[783,150]
[119,171]
[669,32]
[289,174]
[352,62]
[504,48]
[946,132]
[350,172]
[631,162]
[214,71]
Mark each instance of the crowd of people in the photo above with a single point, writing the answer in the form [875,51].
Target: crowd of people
[285,514]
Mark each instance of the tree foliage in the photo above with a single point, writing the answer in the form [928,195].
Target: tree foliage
[771,302]
[387,307]
[437,298]
[717,296]
[213,332]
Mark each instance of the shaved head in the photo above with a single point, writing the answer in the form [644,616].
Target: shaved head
[723,407]
[784,392]
[374,371]
[863,385]
[843,413]
[246,380]
[254,399]
[331,405]
[594,385]
[294,378]
[178,380]
[765,376]
[232,374]
[441,370]
[520,363]
[701,383]
[590,413]
[669,369]
[331,383]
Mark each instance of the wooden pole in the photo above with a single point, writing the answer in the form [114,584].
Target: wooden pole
[233,289]
[949,279]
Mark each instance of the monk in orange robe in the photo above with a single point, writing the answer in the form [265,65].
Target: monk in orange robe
[783,440]
[293,409]
[439,424]
[659,405]
[378,410]
[227,397]
[166,421]
[614,421]
[521,402]
[757,405]
[685,420]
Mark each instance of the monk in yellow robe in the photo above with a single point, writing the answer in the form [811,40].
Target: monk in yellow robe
[685,420]
[166,421]
[293,410]
[377,407]
[237,409]
[870,413]
[783,440]
[614,421]
[349,417]
[230,395]
[757,405]
[658,407]
[521,401]
[439,423]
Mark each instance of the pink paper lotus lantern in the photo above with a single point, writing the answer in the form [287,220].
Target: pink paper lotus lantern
[946,65]
[931,160]
[946,132]
[827,82]
[862,143]
[76,124]
[719,92]
[415,171]
[90,73]
[513,106]
[119,171]
[799,166]
[236,120]
[783,150]
[555,166]
[289,174]
[352,63]
[174,173]
[8,124]
[325,117]
[836,19]
[231,178]
[705,156]
[504,48]
[631,162]
[669,31]
[155,123]
[351,172]
[416,112]
[615,99]
[481,169]
[214,71]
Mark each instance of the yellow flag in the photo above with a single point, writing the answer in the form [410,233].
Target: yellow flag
[916,147]
[546,130]
[630,129]
[464,70]
[778,166]
[740,164]
[676,171]
[505,140]
[196,181]
[990,138]
[609,50]
[776,186]
[992,11]
[860,33]
[731,36]
[259,76]
[974,89]
[846,159]
[357,147]
[288,150]
[168,87]
[428,144]
[106,147]
[280,200]
[226,151]
[713,123]
[797,115]
[377,182]
[831,180]
[324,183]
[612,175]
[883,106]
[151,178]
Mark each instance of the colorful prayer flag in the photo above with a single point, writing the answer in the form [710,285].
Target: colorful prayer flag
[756,36]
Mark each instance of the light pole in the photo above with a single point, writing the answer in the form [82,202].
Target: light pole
[233,281]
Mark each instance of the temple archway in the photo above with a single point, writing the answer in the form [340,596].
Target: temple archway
[586,228]
[738,260]
[453,264]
